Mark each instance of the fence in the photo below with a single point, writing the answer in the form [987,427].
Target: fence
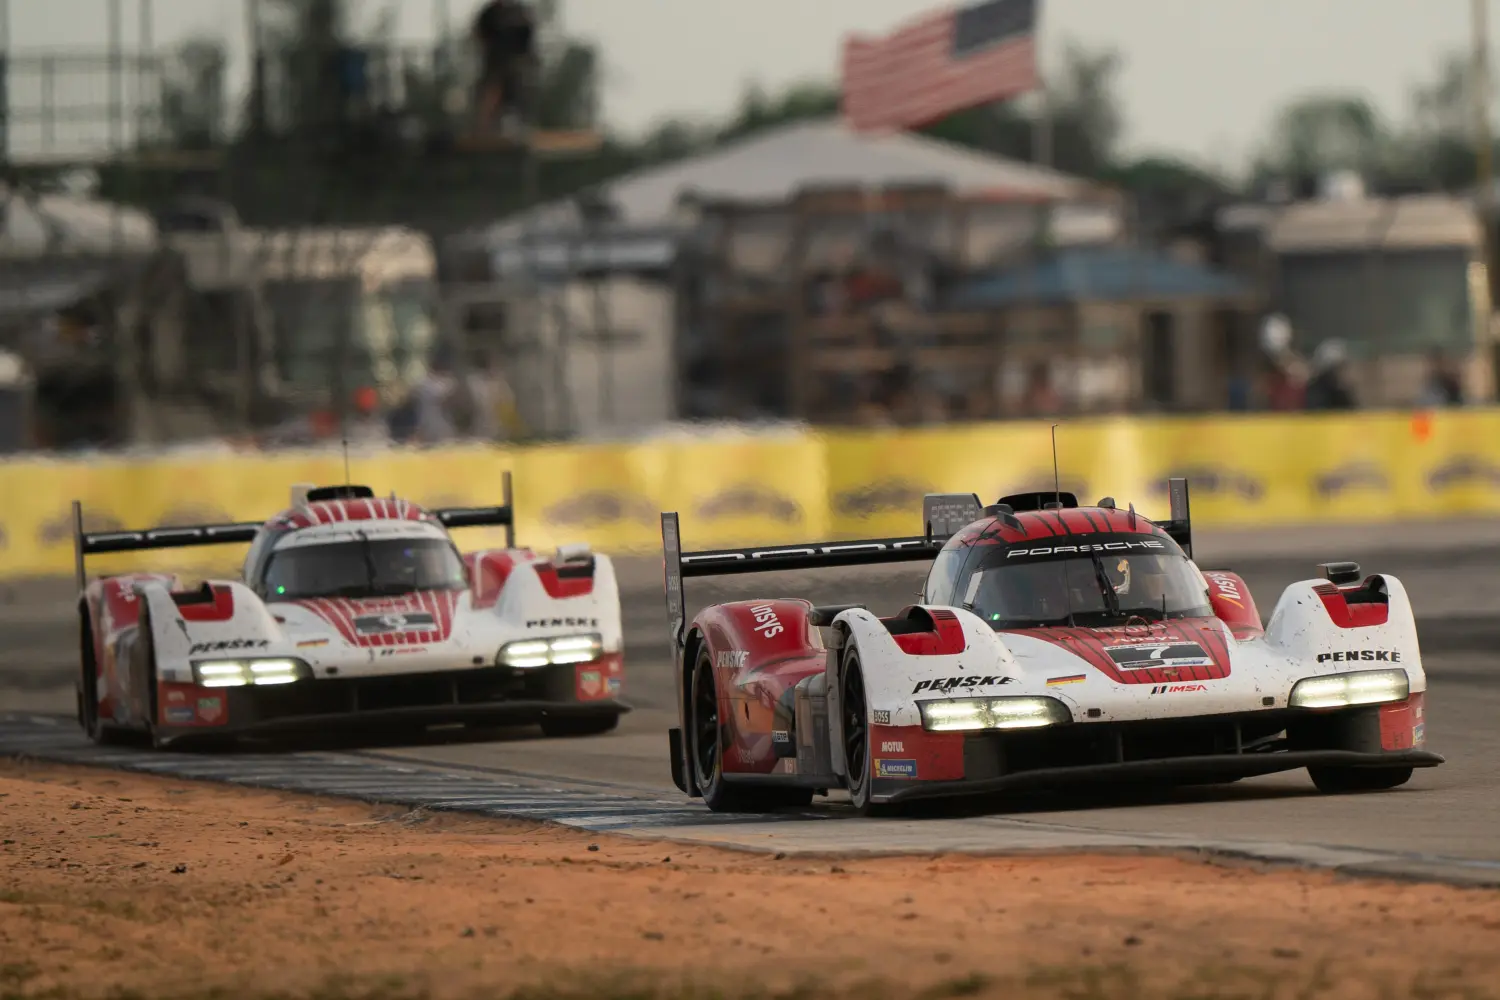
[793,486]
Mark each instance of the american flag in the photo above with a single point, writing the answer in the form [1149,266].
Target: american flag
[944,62]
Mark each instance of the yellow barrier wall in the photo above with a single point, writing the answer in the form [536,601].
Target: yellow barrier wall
[733,489]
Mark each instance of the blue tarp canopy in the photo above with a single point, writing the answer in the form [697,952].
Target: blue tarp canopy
[1094,274]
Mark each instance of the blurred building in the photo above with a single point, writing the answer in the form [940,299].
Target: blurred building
[622,306]
[1393,279]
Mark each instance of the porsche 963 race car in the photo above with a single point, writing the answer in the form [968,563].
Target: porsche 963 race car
[1053,644]
[351,609]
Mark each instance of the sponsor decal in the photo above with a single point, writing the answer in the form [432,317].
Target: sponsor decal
[613,685]
[892,746]
[1361,656]
[1055,550]
[402,650]
[1461,470]
[895,769]
[1227,589]
[1209,479]
[780,736]
[745,756]
[210,709]
[601,507]
[310,643]
[882,717]
[1163,654]
[766,622]
[1352,475]
[176,697]
[1070,679]
[749,500]
[562,623]
[411,621]
[878,497]
[228,646]
[731,659]
[957,683]
[1178,688]
[1418,734]
[591,682]
[181,715]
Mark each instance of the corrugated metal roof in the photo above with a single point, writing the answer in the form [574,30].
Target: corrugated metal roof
[1408,222]
[774,165]
[1097,274]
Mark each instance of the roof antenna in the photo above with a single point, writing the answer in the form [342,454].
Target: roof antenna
[1057,487]
[1056,479]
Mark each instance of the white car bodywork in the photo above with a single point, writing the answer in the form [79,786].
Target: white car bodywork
[323,634]
[1299,642]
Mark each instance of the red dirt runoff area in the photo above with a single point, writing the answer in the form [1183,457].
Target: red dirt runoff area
[114,884]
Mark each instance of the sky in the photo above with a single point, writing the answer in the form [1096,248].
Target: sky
[1202,78]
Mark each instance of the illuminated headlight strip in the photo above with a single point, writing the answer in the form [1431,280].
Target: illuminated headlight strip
[980,714]
[243,673]
[530,653]
[1365,687]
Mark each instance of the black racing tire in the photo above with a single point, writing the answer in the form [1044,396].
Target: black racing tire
[588,725]
[706,753]
[855,715]
[1340,780]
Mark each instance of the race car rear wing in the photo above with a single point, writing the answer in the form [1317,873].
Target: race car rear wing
[943,514]
[87,543]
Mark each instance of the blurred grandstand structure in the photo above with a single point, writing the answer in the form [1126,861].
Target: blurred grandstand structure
[338,246]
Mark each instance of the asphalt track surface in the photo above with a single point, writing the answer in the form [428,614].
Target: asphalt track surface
[1445,823]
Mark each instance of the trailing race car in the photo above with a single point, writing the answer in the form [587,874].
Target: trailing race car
[351,609]
[1054,643]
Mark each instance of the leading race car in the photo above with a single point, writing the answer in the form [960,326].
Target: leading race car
[351,609]
[1053,644]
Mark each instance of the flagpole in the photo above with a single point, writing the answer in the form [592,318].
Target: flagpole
[1041,139]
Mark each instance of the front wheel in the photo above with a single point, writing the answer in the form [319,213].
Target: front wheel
[1336,780]
[856,726]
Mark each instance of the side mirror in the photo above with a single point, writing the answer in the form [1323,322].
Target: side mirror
[1340,572]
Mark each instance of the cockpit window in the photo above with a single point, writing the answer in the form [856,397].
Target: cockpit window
[1086,585]
[364,568]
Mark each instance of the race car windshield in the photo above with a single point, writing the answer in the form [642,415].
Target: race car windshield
[1091,589]
[364,568]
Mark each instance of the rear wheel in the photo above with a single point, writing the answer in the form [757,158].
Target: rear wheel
[1335,780]
[579,726]
[88,687]
[706,751]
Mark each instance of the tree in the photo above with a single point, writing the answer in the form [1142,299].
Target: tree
[1321,133]
[192,112]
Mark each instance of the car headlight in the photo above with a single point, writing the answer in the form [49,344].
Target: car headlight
[974,714]
[549,652]
[242,673]
[1365,687]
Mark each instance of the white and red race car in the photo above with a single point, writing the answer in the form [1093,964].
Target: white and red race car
[1053,644]
[351,609]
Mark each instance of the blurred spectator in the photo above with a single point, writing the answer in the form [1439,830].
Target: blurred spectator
[1041,398]
[1443,387]
[1286,389]
[433,399]
[505,33]
[366,425]
[1328,389]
